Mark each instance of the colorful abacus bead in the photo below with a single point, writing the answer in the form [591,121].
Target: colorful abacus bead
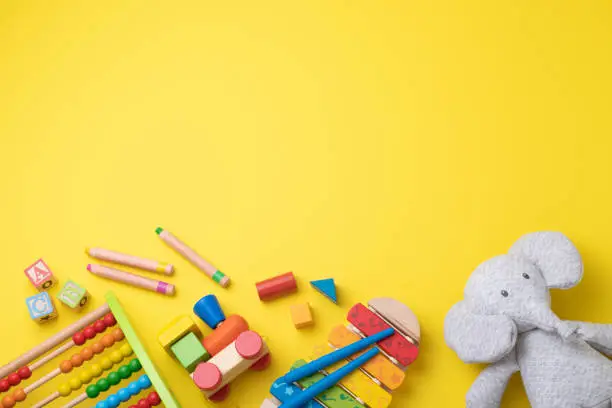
[113,378]
[124,394]
[152,400]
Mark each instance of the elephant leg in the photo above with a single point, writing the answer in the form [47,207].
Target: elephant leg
[488,389]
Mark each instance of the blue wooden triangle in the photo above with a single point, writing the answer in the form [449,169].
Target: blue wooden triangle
[327,288]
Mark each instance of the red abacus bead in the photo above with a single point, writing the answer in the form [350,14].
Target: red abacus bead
[78,338]
[143,403]
[109,320]
[4,385]
[99,326]
[14,379]
[154,399]
[24,372]
[89,332]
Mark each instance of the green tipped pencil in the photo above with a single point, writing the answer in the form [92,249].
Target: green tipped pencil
[193,257]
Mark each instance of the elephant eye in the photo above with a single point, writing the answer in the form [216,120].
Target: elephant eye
[504,293]
[525,276]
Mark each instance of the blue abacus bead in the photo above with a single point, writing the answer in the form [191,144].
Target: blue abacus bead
[209,310]
[144,382]
[124,394]
[102,404]
[113,401]
[133,388]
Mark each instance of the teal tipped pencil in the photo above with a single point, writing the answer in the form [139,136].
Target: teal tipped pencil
[193,257]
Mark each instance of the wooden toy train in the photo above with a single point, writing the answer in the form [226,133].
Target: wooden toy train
[215,360]
[370,386]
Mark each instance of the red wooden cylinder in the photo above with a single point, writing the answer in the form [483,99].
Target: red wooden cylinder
[276,287]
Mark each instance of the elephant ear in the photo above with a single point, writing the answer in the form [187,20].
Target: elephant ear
[478,338]
[554,254]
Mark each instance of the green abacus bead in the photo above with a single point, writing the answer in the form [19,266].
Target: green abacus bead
[103,384]
[135,365]
[92,391]
[113,378]
[124,372]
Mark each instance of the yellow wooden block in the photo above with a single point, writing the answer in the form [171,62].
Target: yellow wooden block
[357,383]
[176,330]
[301,315]
[379,367]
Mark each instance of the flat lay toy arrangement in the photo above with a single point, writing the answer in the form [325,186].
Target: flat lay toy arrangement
[379,343]
[505,319]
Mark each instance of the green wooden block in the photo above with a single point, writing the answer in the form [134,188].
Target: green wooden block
[73,295]
[190,352]
[334,397]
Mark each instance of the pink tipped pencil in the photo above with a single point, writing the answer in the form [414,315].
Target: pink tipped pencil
[131,279]
[130,260]
[193,257]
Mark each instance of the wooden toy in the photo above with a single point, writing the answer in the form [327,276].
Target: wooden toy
[177,329]
[380,368]
[130,260]
[276,287]
[301,315]
[233,360]
[359,384]
[40,275]
[209,310]
[377,377]
[41,307]
[132,279]
[327,288]
[285,390]
[73,296]
[93,360]
[221,356]
[189,351]
[224,334]
[193,257]
[398,347]
[341,398]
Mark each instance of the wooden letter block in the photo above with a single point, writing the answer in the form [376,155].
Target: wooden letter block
[232,361]
[334,397]
[176,330]
[73,296]
[379,367]
[40,275]
[189,352]
[397,346]
[357,383]
[41,307]
[301,315]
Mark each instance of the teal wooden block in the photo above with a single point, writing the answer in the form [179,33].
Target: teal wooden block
[190,352]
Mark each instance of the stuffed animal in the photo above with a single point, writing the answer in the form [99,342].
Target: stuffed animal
[505,319]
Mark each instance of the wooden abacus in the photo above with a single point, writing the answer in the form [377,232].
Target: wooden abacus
[370,386]
[99,323]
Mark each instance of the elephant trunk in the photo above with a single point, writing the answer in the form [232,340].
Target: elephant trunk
[542,317]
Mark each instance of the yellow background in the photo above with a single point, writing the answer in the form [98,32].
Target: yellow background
[392,145]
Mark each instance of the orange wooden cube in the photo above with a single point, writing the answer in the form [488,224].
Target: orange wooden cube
[301,315]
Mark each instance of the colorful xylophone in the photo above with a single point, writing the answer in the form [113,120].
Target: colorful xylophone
[370,386]
[105,339]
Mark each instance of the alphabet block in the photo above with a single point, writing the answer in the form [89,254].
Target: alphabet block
[73,296]
[40,275]
[41,307]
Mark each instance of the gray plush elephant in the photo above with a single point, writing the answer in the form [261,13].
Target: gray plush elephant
[506,320]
